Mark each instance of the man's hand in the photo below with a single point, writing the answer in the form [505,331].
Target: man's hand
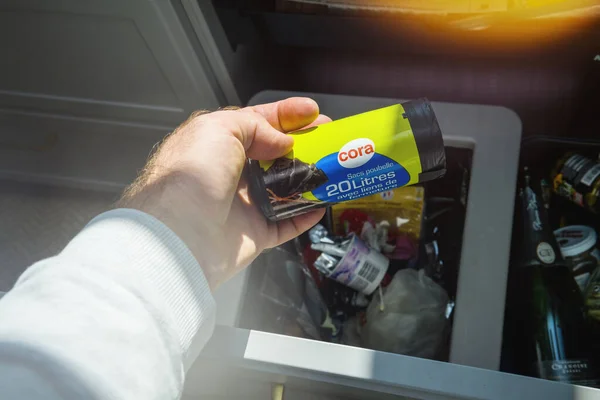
[193,183]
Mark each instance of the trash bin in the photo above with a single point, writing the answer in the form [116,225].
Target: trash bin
[489,136]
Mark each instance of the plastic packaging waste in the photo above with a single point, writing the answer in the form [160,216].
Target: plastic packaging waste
[414,318]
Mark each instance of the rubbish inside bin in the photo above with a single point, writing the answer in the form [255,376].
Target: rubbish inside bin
[578,247]
[430,248]
[413,321]
[592,296]
[351,263]
[350,158]
[578,178]
[410,314]
[401,207]
[551,330]
[289,288]
[557,344]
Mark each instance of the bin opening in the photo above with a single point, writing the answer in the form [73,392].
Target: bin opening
[279,299]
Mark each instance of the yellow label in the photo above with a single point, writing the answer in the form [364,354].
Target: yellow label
[349,158]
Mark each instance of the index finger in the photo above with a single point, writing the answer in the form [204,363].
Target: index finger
[289,114]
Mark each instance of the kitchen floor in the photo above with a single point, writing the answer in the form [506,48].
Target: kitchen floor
[37,221]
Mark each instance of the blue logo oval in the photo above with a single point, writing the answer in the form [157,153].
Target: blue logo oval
[379,174]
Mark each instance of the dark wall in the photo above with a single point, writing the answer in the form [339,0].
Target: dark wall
[545,71]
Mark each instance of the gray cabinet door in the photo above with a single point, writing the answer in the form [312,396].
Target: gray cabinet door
[87,87]
[133,60]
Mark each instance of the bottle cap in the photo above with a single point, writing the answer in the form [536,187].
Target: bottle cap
[575,239]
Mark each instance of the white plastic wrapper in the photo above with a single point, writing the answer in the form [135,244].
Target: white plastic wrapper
[413,321]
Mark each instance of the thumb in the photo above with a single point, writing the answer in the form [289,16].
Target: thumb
[260,140]
[268,143]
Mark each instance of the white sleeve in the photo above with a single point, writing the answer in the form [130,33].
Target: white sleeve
[120,313]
